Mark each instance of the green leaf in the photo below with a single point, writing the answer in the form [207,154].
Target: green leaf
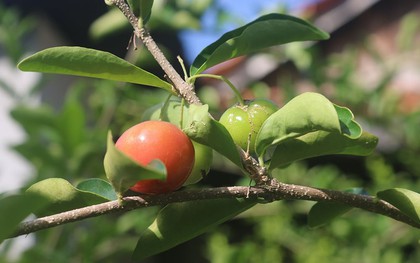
[145,10]
[172,111]
[34,119]
[198,125]
[323,212]
[123,172]
[321,143]
[405,200]
[180,222]
[62,196]
[98,187]
[71,124]
[266,31]
[308,112]
[87,62]
[108,24]
[15,208]
[308,126]
[202,128]
[348,125]
[134,6]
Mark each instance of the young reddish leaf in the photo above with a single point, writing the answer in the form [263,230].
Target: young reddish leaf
[93,63]
[180,222]
[266,31]
[123,172]
[405,200]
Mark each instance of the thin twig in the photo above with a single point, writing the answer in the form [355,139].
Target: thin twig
[279,192]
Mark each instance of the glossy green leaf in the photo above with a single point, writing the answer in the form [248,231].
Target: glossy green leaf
[306,113]
[308,126]
[348,125]
[321,143]
[15,208]
[202,128]
[405,200]
[62,196]
[99,187]
[123,172]
[180,222]
[87,62]
[196,122]
[266,31]
[323,212]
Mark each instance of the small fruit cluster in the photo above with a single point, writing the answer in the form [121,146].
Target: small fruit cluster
[243,122]
[186,161]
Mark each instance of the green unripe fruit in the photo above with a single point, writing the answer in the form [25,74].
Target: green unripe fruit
[243,122]
[203,161]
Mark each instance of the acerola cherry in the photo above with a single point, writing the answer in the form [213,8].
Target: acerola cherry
[244,121]
[202,164]
[160,140]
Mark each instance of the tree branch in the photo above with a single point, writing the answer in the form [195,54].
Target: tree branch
[281,191]
[184,89]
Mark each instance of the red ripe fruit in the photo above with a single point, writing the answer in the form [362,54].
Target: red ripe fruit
[160,140]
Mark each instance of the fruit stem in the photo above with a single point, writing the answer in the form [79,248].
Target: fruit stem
[184,70]
[227,81]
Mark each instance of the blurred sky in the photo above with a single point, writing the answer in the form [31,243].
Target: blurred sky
[240,12]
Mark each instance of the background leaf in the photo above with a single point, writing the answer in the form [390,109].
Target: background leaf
[88,62]
[180,222]
[266,31]
[123,172]
[71,124]
[405,200]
